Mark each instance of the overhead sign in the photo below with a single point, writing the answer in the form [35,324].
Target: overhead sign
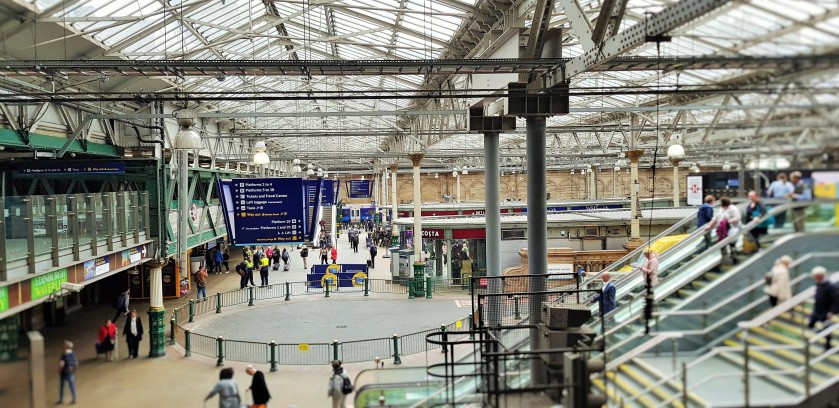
[329,195]
[265,211]
[49,167]
[694,190]
[48,283]
[359,188]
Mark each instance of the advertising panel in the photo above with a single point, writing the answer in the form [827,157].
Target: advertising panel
[46,284]
[96,267]
[694,190]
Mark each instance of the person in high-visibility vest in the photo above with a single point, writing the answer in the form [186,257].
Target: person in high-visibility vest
[263,271]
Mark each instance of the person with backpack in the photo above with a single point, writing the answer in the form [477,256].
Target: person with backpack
[339,385]
[201,282]
[284,256]
[226,261]
[304,253]
[705,217]
[218,258]
[227,390]
[121,304]
[67,370]
[373,252]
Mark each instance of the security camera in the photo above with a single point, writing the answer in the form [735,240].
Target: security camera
[72,287]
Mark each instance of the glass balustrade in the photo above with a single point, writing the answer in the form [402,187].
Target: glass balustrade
[46,230]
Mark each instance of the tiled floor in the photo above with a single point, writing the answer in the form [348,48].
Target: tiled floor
[175,381]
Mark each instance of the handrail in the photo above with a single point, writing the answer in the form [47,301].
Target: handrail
[734,237]
[788,305]
[656,340]
[747,289]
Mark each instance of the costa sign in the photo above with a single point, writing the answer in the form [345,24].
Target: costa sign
[435,233]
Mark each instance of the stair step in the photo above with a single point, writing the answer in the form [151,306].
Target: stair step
[626,388]
[794,356]
[645,382]
[674,387]
[737,361]
[712,276]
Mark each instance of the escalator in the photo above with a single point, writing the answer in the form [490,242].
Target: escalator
[769,360]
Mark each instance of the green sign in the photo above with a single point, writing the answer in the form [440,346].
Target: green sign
[4,299]
[48,283]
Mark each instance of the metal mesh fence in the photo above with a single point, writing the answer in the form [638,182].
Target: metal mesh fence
[204,345]
[247,351]
[304,354]
[275,291]
[365,350]
[206,305]
[235,297]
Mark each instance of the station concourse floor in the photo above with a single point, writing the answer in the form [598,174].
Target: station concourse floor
[173,380]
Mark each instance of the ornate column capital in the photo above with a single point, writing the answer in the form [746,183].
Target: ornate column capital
[634,155]
[416,158]
[393,168]
[676,162]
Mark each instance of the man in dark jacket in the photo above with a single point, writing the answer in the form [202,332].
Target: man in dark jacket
[259,389]
[133,333]
[608,293]
[827,301]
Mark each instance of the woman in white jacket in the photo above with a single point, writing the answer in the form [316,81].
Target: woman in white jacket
[777,281]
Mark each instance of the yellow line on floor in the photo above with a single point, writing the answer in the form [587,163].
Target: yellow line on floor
[646,383]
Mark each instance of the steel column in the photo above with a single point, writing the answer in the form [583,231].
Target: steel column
[537,230]
[183,210]
[492,178]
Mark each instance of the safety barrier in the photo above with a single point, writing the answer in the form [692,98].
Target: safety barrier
[301,353]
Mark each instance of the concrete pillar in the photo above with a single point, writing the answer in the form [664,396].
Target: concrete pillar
[635,188]
[157,321]
[457,180]
[537,230]
[419,264]
[394,205]
[675,182]
[492,178]
[37,373]
[592,183]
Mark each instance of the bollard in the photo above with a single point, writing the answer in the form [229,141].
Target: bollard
[191,311]
[444,337]
[471,286]
[516,305]
[273,356]
[187,344]
[220,361]
[328,284]
[471,327]
[428,288]
[218,302]
[366,287]
[250,295]
[411,288]
[172,332]
[335,349]
[287,290]
[396,359]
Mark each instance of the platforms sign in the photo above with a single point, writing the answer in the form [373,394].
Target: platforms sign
[694,190]
[359,188]
[38,169]
[267,211]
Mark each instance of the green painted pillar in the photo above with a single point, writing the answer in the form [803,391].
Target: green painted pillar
[419,279]
[157,313]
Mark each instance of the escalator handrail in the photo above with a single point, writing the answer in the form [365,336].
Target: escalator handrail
[716,324]
[744,291]
[786,306]
[637,251]
[732,238]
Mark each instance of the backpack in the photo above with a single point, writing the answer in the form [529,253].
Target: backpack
[346,386]
[722,229]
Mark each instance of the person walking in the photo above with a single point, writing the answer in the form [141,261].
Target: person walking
[335,255]
[227,390]
[218,258]
[249,270]
[121,304]
[826,303]
[650,268]
[67,366]
[608,293]
[209,259]
[225,259]
[105,339]
[756,210]
[780,188]
[201,282]
[263,271]
[133,333]
[730,215]
[285,257]
[777,281]
[304,254]
[324,257]
[258,388]
[705,216]
[373,252]
[336,385]
[801,192]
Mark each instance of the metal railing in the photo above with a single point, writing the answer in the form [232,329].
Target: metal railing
[747,373]
[297,353]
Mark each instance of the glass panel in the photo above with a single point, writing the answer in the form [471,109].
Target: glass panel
[64,205]
[129,212]
[42,226]
[141,203]
[83,221]
[101,218]
[16,230]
